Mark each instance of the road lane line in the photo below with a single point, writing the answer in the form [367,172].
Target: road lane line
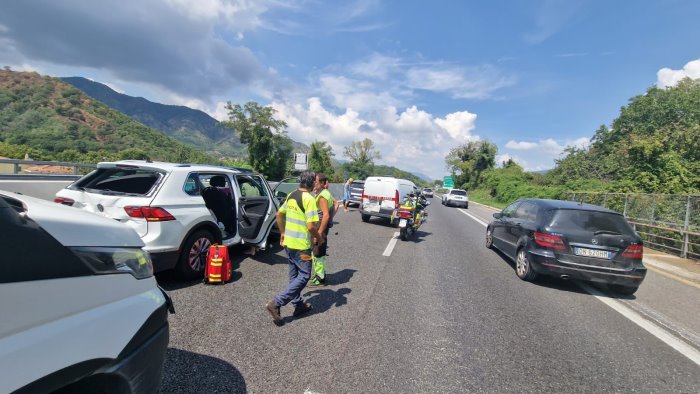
[483,223]
[683,348]
[392,243]
[688,351]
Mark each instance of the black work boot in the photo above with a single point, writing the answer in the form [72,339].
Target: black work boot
[301,309]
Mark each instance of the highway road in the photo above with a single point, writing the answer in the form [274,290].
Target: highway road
[438,313]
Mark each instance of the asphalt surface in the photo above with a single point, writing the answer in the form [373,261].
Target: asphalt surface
[441,314]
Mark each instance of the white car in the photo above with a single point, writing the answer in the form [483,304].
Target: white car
[80,309]
[456,197]
[178,210]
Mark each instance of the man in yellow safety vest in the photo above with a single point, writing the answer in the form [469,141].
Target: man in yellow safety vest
[297,219]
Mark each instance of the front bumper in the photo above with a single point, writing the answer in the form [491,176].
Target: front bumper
[545,264]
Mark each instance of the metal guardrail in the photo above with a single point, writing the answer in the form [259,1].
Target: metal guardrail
[669,222]
[18,166]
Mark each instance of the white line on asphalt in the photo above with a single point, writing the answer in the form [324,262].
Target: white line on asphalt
[666,337]
[483,223]
[392,243]
[683,348]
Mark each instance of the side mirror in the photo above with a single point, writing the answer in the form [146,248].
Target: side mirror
[497,215]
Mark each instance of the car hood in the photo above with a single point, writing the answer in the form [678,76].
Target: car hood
[75,227]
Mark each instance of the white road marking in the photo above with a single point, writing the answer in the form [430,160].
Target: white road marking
[392,243]
[683,348]
[483,223]
[666,337]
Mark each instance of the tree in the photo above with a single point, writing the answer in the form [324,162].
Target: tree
[362,155]
[320,158]
[269,148]
[468,161]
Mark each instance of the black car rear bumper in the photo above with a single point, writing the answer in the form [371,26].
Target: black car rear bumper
[548,265]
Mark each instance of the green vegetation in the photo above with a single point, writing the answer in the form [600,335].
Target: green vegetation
[269,148]
[652,147]
[51,120]
[362,155]
[319,158]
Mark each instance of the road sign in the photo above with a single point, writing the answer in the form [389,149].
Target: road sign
[448,182]
[300,163]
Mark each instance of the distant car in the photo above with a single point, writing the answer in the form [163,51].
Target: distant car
[356,189]
[81,310]
[567,239]
[178,210]
[456,197]
[427,192]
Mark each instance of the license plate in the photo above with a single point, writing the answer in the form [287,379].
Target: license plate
[600,254]
[372,207]
[402,223]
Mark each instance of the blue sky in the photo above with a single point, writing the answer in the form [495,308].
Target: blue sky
[418,78]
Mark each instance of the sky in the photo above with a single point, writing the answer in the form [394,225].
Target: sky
[418,78]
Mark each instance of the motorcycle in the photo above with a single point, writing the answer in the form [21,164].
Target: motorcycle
[411,214]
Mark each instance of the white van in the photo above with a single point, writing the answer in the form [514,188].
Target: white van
[382,195]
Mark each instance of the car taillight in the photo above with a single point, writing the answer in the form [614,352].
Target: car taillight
[396,199]
[151,214]
[549,241]
[634,252]
[64,200]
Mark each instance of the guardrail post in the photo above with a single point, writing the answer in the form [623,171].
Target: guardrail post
[75,170]
[624,211]
[15,169]
[686,237]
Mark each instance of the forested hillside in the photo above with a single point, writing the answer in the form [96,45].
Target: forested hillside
[653,146]
[51,120]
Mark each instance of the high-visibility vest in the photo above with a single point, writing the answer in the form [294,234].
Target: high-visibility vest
[296,235]
[325,193]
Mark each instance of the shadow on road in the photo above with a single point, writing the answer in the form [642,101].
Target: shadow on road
[187,372]
[340,277]
[323,299]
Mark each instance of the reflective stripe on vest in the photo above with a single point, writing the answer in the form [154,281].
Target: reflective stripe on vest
[296,235]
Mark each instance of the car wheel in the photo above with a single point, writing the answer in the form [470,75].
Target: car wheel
[466,206]
[489,238]
[625,290]
[193,257]
[365,218]
[523,268]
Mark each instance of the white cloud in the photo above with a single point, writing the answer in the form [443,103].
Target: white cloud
[412,139]
[668,77]
[540,155]
[521,145]
[500,159]
[459,81]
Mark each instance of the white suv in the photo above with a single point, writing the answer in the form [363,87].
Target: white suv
[456,197]
[80,310]
[178,210]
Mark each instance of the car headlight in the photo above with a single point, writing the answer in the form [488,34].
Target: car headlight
[108,260]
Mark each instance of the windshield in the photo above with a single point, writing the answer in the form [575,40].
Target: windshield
[568,220]
[119,181]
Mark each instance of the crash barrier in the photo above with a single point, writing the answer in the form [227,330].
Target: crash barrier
[35,167]
[668,222]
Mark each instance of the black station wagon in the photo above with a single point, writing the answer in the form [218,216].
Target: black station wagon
[567,239]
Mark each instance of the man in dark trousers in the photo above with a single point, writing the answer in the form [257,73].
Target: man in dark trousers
[297,219]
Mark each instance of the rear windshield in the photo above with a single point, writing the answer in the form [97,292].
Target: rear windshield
[458,192]
[358,185]
[568,220]
[133,182]
[428,190]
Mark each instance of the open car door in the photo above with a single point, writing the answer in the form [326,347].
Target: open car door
[256,210]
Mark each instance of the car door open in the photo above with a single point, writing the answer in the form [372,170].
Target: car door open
[254,207]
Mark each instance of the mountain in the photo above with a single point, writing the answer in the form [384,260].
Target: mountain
[190,126]
[52,120]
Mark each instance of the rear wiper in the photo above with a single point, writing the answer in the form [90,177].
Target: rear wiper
[606,232]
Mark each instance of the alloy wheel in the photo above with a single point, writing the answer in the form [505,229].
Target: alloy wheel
[198,253]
